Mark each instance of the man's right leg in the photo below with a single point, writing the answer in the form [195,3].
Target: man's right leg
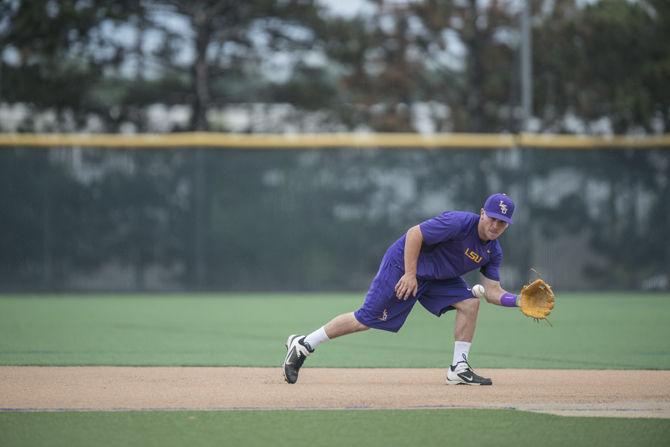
[343,325]
[380,310]
[298,347]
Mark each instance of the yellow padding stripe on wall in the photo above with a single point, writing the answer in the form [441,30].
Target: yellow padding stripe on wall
[330,140]
[590,142]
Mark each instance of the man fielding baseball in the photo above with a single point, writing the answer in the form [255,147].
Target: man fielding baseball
[426,265]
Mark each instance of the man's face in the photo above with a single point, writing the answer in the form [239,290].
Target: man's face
[490,228]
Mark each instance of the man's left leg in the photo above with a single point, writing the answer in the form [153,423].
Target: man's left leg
[445,295]
[466,319]
[460,372]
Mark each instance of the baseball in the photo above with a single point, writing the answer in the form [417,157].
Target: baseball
[478,291]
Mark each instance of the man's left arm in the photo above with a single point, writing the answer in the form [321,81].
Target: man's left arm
[495,294]
[536,300]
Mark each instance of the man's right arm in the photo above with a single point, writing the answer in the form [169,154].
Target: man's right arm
[407,285]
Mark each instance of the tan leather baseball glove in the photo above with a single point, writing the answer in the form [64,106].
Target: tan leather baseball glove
[537,300]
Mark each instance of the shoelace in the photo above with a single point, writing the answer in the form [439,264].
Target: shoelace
[300,357]
[465,359]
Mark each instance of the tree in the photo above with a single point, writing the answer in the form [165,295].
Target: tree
[409,53]
[228,37]
[59,53]
[603,61]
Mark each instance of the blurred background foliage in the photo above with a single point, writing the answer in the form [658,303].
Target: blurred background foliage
[81,219]
[599,66]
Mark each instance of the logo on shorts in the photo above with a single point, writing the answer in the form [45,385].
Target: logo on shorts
[385,315]
[503,207]
[473,256]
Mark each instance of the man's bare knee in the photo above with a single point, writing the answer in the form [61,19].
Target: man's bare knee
[468,306]
[361,327]
[356,325]
[344,324]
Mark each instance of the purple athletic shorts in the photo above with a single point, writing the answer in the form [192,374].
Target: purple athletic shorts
[382,309]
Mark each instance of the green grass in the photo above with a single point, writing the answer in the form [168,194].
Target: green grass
[600,331]
[590,331]
[327,428]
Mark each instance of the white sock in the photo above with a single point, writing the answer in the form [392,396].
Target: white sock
[317,337]
[461,348]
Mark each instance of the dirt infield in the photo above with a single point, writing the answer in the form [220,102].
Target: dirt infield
[563,392]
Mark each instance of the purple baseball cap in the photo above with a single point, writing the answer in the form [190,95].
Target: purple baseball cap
[499,206]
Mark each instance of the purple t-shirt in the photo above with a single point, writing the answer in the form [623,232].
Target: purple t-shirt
[451,247]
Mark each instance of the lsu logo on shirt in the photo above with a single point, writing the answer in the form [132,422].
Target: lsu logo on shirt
[473,256]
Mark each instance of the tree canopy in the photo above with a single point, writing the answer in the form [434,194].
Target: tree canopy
[427,66]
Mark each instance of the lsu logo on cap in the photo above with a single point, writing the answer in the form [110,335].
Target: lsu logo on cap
[503,207]
[499,206]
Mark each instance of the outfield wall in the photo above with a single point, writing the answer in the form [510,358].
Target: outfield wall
[96,212]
